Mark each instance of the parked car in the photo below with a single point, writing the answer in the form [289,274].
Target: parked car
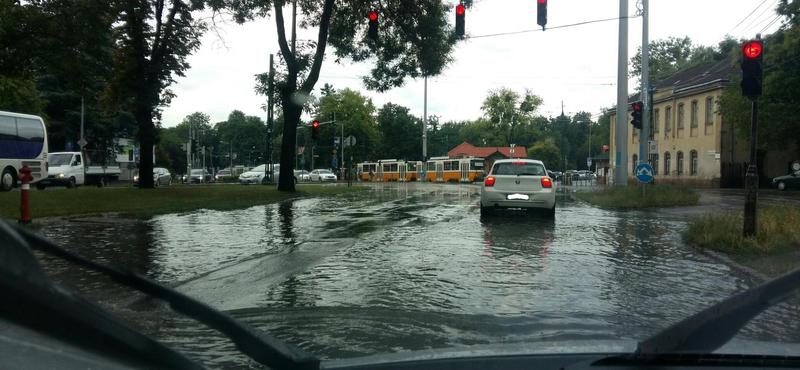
[518,183]
[258,175]
[322,176]
[555,175]
[789,181]
[304,176]
[199,176]
[222,174]
[161,176]
[585,175]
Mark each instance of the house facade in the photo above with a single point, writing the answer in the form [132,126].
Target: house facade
[695,145]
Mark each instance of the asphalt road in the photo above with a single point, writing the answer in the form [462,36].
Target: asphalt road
[414,266]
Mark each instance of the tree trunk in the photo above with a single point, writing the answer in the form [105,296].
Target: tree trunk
[147,135]
[291,118]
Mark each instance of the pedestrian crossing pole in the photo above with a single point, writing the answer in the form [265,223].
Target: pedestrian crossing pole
[621,132]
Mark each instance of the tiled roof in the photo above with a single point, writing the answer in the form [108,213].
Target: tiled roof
[466,149]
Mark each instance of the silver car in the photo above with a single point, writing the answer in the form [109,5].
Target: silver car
[518,183]
[161,176]
[322,176]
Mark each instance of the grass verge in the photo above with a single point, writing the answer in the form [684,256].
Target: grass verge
[141,203]
[774,250]
[631,196]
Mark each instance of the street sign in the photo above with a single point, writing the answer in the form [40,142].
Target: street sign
[796,166]
[644,172]
[336,142]
[652,146]
[349,141]
[82,142]
[334,162]
[302,161]
[69,145]
[589,162]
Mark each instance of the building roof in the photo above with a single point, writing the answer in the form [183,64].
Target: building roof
[601,157]
[466,149]
[692,79]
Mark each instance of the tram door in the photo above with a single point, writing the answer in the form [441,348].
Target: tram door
[439,171]
[402,170]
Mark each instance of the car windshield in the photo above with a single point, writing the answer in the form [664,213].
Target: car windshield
[518,168]
[60,159]
[444,136]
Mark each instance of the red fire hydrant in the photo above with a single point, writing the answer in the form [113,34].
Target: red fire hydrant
[25,179]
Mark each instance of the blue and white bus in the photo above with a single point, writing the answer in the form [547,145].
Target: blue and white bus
[23,142]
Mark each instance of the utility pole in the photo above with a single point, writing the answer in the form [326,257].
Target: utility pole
[294,39]
[81,142]
[270,124]
[644,148]
[425,122]
[189,156]
[621,134]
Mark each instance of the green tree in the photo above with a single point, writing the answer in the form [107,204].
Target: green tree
[20,95]
[415,40]
[401,132]
[668,57]
[247,134]
[357,113]
[507,110]
[547,152]
[154,38]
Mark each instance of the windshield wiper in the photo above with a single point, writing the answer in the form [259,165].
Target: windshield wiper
[711,328]
[526,174]
[252,342]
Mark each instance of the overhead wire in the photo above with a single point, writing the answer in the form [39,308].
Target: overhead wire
[759,16]
[552,28]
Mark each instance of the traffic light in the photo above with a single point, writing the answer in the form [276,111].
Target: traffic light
[638,107]
[752,56]
[373,25]
[541,13]
[460,11]
[314,129]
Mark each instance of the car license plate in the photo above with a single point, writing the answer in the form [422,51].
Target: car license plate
[517,197]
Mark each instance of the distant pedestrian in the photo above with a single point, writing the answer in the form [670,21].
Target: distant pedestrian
[371,174]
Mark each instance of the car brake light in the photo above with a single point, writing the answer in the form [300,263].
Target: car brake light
[546,182]
[489,181]
[519,162]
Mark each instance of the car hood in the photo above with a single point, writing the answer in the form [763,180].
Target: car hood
[600,347]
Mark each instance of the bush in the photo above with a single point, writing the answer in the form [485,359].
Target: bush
[631,196]
[229,179]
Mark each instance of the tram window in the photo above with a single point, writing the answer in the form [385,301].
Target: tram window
[431,166]
[412,167]
[476,165]
[447,166]
[394,167]
[386,167]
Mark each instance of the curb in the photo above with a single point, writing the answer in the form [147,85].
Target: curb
[722,257]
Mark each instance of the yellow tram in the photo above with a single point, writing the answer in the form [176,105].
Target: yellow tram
[439,169]
[446,169]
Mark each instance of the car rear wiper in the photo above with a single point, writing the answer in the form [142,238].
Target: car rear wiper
[252,342]
[526,174]
[711,328]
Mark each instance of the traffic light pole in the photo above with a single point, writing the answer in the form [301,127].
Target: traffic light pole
[621,132]
[644,148]
[751,179]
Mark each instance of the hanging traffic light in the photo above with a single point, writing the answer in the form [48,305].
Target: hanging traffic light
[373,25]
[314,129]
[638,107]
[541,13]
[752,57]
[460,11]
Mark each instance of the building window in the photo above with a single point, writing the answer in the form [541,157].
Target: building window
[695,113]
[709,111]
[655,164]
[693,169]
[634,163]
[656,119]
[681,115]
[667,160]
[680,163]
[668,119]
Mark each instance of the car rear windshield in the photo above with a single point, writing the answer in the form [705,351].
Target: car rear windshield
[518,168]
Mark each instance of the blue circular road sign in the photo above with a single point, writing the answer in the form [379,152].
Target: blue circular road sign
[644,172]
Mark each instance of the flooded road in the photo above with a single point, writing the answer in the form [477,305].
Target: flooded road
[410,266]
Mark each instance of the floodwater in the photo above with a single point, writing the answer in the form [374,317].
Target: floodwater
[406,267]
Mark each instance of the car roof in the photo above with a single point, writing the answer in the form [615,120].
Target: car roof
[519,160]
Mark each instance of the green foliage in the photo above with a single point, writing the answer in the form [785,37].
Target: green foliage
[547,152]
[507,110]
[401,132]
[357,113]
[21,96]
[628,197]
[776,232]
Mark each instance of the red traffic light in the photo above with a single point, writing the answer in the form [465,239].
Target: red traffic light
[752,49]
[373,16]
[315,124]
[637,106]
[542,1]
[460,9]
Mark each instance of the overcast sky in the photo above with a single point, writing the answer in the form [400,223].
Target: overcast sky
[577,65]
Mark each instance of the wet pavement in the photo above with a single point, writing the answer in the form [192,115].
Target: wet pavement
[413,266]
